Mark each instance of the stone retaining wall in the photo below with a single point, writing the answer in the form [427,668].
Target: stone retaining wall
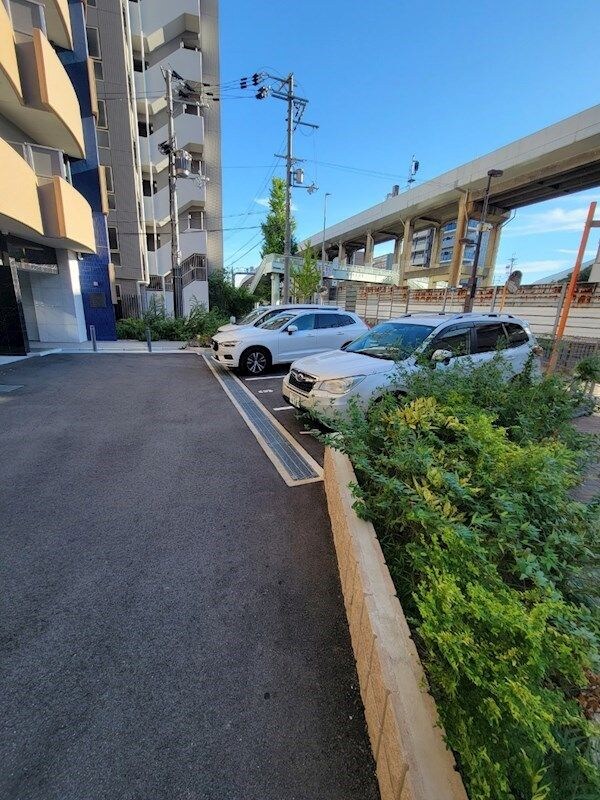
[413,762]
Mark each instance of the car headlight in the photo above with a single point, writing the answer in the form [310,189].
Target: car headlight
[231,343]
[341,385]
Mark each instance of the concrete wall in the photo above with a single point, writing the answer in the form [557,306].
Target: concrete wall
[538,304]
[413,762]
[56,302]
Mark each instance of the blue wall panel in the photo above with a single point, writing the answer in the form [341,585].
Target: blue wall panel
[93,269]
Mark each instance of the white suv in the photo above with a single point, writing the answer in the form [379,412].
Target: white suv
[261,314]
[377,361]
[286,337]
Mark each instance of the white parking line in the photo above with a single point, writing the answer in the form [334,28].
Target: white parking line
[265,378]
[282,408]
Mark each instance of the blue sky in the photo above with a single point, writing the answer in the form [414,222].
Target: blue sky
[448,82]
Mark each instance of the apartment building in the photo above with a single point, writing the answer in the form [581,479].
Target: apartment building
[132,44]
[54,269]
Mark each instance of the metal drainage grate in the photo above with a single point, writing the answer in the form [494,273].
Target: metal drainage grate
[298,468]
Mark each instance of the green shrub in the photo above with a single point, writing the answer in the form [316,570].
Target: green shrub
[226,298]
[199,326]
[486,547]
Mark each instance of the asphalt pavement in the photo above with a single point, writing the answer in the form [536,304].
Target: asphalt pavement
[172,626]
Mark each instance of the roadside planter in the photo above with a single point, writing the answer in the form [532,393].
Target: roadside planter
[413,762]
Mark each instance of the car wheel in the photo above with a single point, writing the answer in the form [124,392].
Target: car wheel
[255,360]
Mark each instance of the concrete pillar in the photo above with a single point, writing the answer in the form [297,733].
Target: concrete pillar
[274,288]
[406,249]
[491,253]
[457,251]
[369,249]
[396,259]
[342,254]
[434,257]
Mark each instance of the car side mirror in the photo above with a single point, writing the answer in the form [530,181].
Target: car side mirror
[232,319]
[292,329]
[441,356]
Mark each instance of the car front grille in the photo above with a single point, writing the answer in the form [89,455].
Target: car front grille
[302,381]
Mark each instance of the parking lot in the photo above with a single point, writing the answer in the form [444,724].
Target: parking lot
[267,390]
[171,621]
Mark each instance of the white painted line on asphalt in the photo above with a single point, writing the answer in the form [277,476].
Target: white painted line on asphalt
[282,408]
[271,455]
[305,433]
[265,378]
[265,391]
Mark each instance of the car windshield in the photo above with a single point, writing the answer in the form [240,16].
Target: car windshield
[252,316]
[277,322]
[390,340]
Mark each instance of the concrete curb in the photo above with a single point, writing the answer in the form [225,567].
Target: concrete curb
[413,762]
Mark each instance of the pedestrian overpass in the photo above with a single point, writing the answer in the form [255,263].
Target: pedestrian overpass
[272,265]
[428,224]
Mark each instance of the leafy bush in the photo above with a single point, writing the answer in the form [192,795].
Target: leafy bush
[199,326]
[223,296]
[467,482]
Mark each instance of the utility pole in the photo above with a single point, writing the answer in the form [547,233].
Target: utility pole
[173,207]
[327,194]
[294,178]
[287,246]
[472,288]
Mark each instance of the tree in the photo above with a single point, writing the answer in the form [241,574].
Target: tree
[306,278]
[273,228]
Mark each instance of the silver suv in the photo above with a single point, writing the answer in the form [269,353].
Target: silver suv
[377,361]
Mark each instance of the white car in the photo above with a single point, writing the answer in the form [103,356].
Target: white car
[377,361]
[262,314]
[286,337]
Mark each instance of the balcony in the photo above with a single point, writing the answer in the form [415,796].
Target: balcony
[151,83]
[67,216]
[188,193]
[58,23]
[49,112]
[158,23]
[10,80]
[191,241]
[20,212]
[190,136]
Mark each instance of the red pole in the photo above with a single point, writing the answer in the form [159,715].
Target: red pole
[564,315]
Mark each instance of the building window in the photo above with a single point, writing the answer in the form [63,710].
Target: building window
[102,119]
[145,129]
[93,39]
[108,177]
[139,65]
[113,242]
[91,3]
[148,187]
[196,220]
[25,17]
[103,138]
[112,202]
[98,71]
[191,108]
[152,242]
[196,166]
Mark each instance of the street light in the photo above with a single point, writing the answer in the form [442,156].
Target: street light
[327,194]
[469,299]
